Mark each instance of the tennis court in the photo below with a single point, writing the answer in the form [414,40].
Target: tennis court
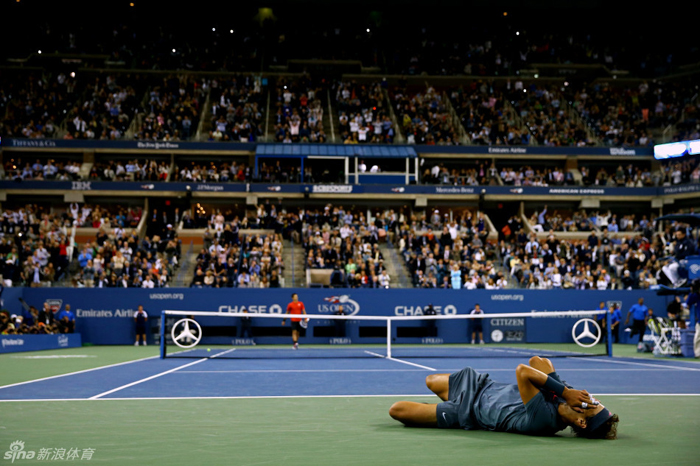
[125,405]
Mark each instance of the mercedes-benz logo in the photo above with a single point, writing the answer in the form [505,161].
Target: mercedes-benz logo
[186,333]
[585,333]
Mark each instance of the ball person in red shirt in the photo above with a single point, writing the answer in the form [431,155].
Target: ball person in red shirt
[295,307]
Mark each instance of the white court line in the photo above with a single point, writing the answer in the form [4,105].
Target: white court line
[245,371]
[401,361]
[283,397]
[292,371]
[157,375]
[657,366]
[77,372]
[56,356]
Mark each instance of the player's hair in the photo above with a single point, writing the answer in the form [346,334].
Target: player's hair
[606,431]
[294,294]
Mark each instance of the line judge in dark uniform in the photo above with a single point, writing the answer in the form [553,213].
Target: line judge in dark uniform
[246,325]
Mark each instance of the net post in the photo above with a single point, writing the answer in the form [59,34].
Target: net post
[162,334]
[388,337]
[608,331]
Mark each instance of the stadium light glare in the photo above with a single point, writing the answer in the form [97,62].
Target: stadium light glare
[367,29]
[676,149]
[231,31]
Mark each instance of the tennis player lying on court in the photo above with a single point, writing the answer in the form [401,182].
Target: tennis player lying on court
[540,404]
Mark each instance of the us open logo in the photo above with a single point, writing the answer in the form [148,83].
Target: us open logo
[54,304]
[350,306]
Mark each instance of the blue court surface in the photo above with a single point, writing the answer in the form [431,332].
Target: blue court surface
[313,407]
[299,376]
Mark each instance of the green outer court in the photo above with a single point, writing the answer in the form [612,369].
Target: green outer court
[654,430]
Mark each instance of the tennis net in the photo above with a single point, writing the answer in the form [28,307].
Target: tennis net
[197,334]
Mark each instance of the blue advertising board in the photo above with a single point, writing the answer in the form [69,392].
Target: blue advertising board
[21,343]
[383,184]
[364,150]
[106,316]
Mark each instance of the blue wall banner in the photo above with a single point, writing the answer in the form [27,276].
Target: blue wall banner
[105,316]
[155,146]
[21,343]
[396,150]
[385,184]
[146,186]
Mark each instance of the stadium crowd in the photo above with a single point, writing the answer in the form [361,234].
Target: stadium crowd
[483,112]
[363,115]
[42,169]
[423,116]
[38,247]
[232,258]
[237,109]
[33,321]
[345,242]
[299,109]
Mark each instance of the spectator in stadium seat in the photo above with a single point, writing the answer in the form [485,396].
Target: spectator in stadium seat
[46,316]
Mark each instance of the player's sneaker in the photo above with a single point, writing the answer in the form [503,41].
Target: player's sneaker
[136,343]
[472,342]
[481,342]
[295,346]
